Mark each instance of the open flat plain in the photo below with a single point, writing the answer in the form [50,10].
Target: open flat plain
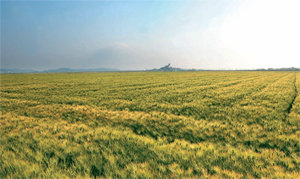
[150,124]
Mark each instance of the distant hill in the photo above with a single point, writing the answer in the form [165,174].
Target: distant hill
[58,70]
[16,70]
[169,68]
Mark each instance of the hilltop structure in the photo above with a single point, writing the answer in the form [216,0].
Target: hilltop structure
[168,67]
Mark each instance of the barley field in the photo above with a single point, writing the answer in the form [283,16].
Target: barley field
[150,124]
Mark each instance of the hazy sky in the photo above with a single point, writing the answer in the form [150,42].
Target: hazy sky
[207,34]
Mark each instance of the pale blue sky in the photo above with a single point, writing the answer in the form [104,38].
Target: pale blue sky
[131,35]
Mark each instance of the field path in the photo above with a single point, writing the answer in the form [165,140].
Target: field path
[296,81]
[294,110]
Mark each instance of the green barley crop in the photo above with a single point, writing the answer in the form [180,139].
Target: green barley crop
[150,124]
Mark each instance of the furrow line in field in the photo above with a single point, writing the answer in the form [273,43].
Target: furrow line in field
[181,85]
[245,92]
[145,88]
[253,92]
[292,102]
[175,108]
[215,86]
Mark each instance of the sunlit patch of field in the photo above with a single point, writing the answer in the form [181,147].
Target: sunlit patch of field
[143,124]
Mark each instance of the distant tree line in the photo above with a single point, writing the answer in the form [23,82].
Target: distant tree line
[279,69]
